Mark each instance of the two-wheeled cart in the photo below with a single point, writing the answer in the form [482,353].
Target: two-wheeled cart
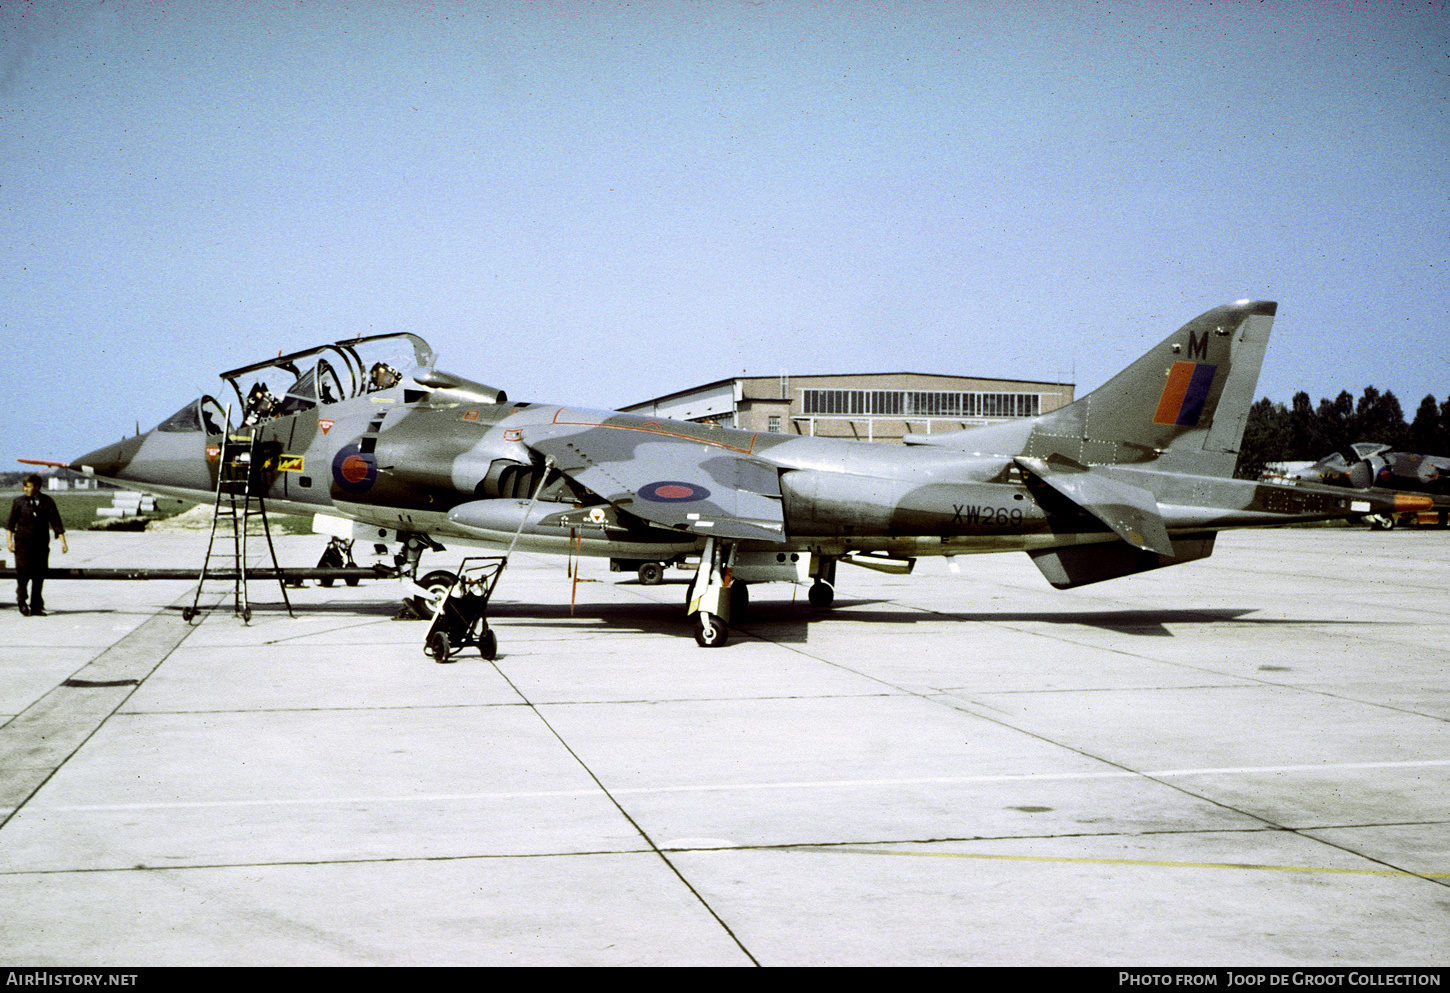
[459,620]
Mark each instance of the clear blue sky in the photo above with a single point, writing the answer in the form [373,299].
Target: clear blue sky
[595,203]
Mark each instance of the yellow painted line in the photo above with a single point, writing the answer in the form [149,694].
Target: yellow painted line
[1163,863]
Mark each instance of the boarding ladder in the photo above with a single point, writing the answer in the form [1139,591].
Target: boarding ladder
[240,496]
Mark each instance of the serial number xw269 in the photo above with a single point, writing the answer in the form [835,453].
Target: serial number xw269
[1001,517]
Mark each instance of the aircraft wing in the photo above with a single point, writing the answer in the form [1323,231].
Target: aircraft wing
[672,478]
[1130,512]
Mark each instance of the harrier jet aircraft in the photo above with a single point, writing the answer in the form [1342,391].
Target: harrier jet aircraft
[1368,465]
[1134,476]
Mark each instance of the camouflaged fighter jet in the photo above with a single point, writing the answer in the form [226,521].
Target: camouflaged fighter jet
[1367,465]
[1134,476]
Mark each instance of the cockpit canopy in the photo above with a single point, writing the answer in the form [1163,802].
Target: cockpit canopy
[317,384]
[204,415]
[345,370]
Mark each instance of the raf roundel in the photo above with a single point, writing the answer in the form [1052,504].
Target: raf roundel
[354,471]
[673,491]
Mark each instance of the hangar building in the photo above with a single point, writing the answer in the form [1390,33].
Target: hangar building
[884,406]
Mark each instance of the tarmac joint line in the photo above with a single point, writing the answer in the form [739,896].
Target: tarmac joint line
[1161,863]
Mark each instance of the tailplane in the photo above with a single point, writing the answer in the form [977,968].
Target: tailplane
[1182,405]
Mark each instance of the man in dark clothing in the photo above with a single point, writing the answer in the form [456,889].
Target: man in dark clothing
[32,518]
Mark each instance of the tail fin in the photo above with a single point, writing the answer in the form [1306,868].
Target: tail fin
[1184,404]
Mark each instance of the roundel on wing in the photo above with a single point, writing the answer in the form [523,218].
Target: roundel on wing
[353,470]
[672,491]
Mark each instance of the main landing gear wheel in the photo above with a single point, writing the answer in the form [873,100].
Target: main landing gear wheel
[710,631]
[710,596]
[739,601]
[651,574]
[821,595]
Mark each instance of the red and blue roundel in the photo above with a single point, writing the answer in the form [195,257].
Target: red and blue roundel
[672,491]
[353,470]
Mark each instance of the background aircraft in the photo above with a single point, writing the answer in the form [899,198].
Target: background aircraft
[1368,465]
[377,442]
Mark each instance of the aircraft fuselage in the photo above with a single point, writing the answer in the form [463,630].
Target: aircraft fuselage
[410,464]
[1132,477]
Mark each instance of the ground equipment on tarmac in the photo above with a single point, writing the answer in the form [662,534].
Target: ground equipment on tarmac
[459,620]
[240,496]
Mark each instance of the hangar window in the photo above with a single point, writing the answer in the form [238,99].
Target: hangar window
[918,403]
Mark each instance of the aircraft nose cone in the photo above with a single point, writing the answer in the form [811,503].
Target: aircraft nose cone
[109,461]
[174,459]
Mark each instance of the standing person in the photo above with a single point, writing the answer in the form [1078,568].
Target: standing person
[32,517]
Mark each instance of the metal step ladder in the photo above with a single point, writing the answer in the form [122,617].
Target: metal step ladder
[240,497]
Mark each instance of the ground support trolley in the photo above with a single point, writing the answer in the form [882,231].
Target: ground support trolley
[459,620]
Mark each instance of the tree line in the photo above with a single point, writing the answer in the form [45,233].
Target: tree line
[1301,431]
